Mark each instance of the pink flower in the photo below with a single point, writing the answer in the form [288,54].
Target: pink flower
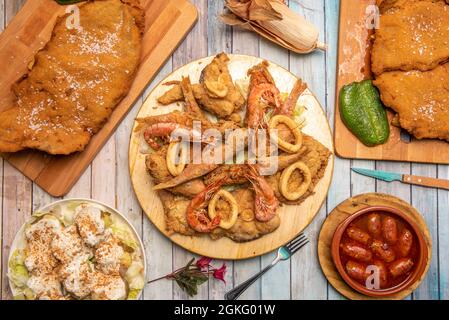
[203,263]
[220,273]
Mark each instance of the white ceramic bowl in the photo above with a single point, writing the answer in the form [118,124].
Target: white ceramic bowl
[20,234]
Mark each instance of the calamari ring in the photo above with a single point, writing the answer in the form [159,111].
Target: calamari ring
[173,150]
[293,126]
[229,198]
[285,176]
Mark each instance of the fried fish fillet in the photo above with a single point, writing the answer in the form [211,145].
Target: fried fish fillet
[245,229]
[76,81]
[156,165]
[215,79]
[421,100]
[415,37]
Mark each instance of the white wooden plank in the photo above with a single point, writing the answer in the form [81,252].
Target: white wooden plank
[82,188]
[158,247]
[307,283]
[276,283]
[193,47]
[443,235]
[11,8]
[125,199]
[219,39]
[103,174]
[425,200]
[17,190]
[340,188]
[17,202]
[41,197]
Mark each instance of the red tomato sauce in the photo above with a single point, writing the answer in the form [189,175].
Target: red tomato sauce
[393,248]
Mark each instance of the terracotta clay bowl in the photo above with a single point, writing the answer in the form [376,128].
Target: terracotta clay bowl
[420,261]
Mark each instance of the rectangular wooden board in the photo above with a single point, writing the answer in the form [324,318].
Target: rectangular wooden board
[167,23]
[354,65]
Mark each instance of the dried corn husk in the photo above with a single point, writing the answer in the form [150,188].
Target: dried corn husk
[276,22]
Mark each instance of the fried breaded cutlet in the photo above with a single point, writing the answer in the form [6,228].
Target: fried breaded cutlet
[413,37]
[76,81]
[216,91]
[421,100]
[387,6]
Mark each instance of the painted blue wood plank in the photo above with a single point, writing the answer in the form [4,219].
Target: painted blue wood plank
[443,235]
[397,189]
[361,184]
[425,200]
[307,283]
[340,187]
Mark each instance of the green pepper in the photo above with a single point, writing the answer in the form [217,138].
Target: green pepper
[68,1]
[363,113]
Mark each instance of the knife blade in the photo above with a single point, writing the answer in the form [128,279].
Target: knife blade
[404,178]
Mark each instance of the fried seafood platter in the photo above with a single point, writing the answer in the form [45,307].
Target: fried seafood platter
[197,174]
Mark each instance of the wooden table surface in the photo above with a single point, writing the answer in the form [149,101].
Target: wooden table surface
[107,179]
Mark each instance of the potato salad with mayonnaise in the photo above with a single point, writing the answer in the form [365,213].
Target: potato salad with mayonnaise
[76,251]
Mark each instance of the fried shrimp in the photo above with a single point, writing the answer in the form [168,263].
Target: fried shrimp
[196,211]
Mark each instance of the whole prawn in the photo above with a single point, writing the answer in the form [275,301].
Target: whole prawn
[266,202]
[197,212]
[255,110]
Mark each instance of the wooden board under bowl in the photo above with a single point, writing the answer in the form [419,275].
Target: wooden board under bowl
[294,219]
[167,23]
[354,65]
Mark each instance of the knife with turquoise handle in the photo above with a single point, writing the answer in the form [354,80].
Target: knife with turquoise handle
[405,178]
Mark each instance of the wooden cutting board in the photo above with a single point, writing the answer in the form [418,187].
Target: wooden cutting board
[167,23]
[294,218]
[354,65]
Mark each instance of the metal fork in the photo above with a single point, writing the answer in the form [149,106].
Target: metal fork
[284,253]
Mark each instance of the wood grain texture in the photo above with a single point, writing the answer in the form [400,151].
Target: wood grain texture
[310,284]
[170,20]
[341,183]
[346,209]
[443,236]
[354,65]
[160,250]
[425,201]
[426,181]
[156,243]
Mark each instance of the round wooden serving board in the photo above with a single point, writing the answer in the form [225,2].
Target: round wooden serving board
[340,213]
[293,218]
